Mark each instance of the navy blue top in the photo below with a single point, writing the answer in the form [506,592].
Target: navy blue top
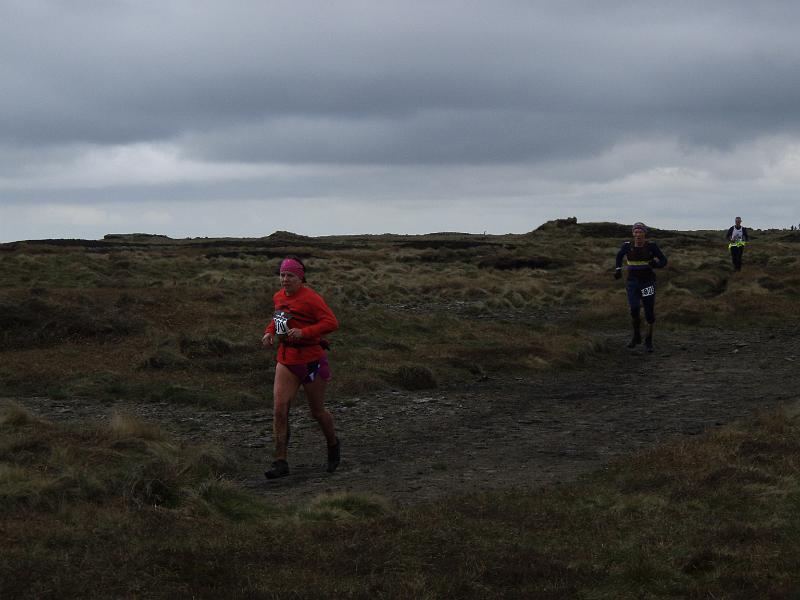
[641,261]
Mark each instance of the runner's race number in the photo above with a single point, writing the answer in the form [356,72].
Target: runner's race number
[281,319]
[648,291]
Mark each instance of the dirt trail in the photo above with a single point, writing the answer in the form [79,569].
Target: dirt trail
[519,433]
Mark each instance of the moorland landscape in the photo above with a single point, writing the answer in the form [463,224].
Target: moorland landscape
[499,440]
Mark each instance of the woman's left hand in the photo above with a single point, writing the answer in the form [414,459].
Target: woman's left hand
[295,333]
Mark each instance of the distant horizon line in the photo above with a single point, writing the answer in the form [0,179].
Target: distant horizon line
[284,233]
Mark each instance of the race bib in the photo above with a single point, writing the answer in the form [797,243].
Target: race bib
[281,320]
[648,291]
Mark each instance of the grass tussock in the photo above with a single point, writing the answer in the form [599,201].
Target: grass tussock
[345,506]
[47,466]
[13,414]
[414,377]
[126,426]
[31,321]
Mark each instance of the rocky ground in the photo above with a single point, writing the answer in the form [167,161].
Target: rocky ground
[501,432]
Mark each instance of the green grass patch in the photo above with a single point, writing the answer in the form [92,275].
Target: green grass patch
[120,509]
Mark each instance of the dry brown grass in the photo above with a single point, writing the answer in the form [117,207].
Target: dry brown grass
[125,426]
[13,414]
[149,318]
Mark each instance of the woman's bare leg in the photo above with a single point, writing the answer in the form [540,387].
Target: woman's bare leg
[284,391]
[315,392]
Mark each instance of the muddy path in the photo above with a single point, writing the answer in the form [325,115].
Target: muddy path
[499,433]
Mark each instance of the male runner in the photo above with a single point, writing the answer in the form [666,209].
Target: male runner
[737,237]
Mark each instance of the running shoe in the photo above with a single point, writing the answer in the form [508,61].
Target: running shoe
[279,468]
[334,456]
[635,341]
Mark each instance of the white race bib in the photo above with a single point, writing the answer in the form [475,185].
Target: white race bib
[281,320]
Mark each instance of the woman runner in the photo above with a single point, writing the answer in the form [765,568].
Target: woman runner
[641,257]
[301,319]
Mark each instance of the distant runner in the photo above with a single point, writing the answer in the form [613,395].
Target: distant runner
[301,319]
[737,238]
[641,257]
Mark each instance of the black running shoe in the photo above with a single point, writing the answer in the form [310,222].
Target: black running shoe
[279,468]
[648,344]
[334,456]
[635,341]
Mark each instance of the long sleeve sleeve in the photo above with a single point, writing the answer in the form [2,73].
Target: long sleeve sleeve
[659,260]
[326,321]
[620,255]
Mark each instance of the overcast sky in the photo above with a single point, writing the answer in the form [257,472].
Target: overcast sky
[240,118]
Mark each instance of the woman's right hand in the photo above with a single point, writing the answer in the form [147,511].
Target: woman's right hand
[268,339]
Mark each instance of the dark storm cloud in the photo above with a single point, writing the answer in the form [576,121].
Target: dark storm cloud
[367,82]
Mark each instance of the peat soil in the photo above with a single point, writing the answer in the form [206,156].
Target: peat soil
[502,432]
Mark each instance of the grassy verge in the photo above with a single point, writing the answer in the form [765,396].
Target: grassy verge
[120,510]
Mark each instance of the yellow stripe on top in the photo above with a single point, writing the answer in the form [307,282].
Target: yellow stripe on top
[732,244]
[637,263]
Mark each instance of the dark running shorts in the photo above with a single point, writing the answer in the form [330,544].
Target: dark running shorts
[642,293]
[309,372]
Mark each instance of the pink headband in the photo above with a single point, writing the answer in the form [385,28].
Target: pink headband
[290,265]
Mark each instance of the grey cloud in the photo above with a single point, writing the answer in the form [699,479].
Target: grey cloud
[431,137]
[361,82]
